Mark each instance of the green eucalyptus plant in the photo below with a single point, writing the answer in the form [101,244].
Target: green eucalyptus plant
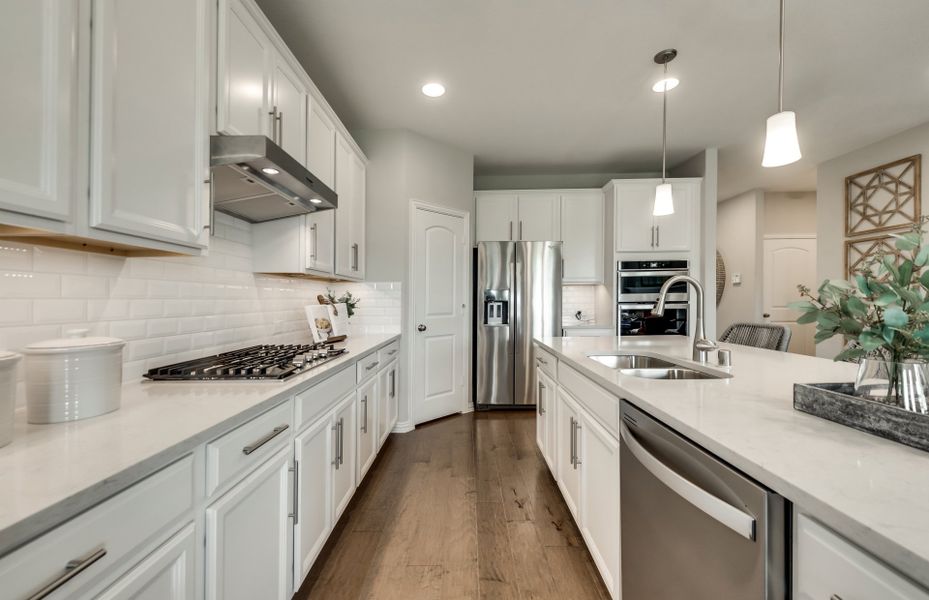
[884,311]
[347,298]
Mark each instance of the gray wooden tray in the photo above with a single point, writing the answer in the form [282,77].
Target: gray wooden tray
[835,402]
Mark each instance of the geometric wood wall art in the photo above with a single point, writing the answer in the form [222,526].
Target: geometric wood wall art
[883,198]
[860,252]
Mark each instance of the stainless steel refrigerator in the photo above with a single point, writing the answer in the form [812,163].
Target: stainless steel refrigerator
[518,298]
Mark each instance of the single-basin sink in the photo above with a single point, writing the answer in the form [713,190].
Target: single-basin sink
[674,372]
[631,361]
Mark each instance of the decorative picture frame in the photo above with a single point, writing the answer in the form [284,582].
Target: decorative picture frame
[884,198]
[860,250]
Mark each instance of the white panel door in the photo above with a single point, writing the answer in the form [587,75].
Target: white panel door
[567,473]
[674,232]
[149,142]
[168,573]
[366,431]
[243,73]
[320,156]
[539,218]
[343,481]
[38,61]
[440,271]
[288,101]
[248,536]
[320,251]
[582,234]
[599,457]
[634,224]
[788,262]
[345,248]
[313,453]
[496,217]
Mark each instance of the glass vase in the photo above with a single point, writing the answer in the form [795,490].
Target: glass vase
[904,384]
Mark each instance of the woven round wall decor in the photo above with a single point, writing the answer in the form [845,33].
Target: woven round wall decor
[720,277]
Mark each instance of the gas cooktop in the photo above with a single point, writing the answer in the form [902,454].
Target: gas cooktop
[276,362]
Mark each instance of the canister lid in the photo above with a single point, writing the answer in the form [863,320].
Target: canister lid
[75,340]
[7,358]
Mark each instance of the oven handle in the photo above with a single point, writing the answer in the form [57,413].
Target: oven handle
[652,273]
[728,515]
[652,305]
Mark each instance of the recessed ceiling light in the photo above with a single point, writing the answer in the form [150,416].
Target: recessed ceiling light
[316,201]
[666,84]
[434,89]
[270,171]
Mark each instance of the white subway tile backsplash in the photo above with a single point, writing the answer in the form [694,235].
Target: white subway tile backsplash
[15,311]
[128,330]
[128,288]
[58,310]
[141,309]
[108,309]
[30,285]
[15,257]
[139,349]
[54,260]
[84,286]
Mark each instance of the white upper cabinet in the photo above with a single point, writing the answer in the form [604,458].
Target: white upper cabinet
[320,250]
[149,136]
[38,107]
[320,156]
[243,73]
[637,230]
[350,215]
[539,217]
[582,234]
[288,104]
[496,216]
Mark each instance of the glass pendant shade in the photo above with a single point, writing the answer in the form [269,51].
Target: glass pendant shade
[664,201]
[781,146]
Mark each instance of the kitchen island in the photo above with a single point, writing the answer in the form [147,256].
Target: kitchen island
[871,491]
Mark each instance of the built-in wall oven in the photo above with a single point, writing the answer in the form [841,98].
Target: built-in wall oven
[637,285]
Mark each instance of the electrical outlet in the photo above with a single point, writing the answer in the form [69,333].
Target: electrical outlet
[736,279]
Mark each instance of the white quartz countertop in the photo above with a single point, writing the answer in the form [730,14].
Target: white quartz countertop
[873,491]
[50,473]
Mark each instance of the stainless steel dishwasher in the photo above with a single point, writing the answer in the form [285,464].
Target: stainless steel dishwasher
[692,526]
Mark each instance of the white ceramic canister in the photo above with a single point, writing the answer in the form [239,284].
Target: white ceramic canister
[8,362]
[73,378]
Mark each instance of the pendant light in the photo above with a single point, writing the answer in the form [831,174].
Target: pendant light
[781,146]
[664,199]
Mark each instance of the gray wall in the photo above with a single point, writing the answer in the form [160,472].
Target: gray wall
[739,229]
[790,213]
[405,166]
[552,181]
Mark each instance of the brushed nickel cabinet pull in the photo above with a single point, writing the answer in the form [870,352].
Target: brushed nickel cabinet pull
[577,453]
[393,383]
[658,236]
[572,441]
[273,115]
[296,469]
[73,568]
[315,251]
[364,422]
[264,439]
[335,458]
[341,440]
[511,231]
[372,365]
[520,230]
[280,128]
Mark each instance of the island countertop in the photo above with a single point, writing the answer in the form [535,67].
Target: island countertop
[873,491]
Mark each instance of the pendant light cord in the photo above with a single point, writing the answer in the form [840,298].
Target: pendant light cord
[780,63]
[664,127]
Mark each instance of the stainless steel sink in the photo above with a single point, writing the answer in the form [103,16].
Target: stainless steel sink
[631,361]
[673,373]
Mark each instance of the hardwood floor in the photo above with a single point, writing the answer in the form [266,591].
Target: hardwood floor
[463,507]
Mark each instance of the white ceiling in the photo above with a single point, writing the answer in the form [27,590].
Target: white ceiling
[564,85]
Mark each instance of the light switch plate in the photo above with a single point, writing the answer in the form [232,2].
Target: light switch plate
[736,279]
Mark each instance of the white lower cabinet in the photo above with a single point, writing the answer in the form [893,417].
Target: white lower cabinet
[168,573]
[248,536]
[366,411]
[828,566]
[314,456]
[386,402]
[545,416]
[568,474]
[344,482]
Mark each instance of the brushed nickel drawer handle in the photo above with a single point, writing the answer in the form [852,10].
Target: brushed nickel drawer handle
[372,365]
[264,440]
[539,358]
[392,352]
[72,569]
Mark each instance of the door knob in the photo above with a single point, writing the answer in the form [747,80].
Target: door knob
[421,327]
[766,315]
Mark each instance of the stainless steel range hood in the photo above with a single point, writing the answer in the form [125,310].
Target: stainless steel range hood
[256,180]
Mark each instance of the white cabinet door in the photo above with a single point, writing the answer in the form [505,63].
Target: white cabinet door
[675,231]
[343,482]
[313,456]
[599,457]
[634,226]
[243,86]
[149,142]
[168,573]
[582,234]
[496,217]
[393,396]
[288,102]
[366,411]
[345,248]
[320,154]
[359,188]
[320,241]
[385,387]
[248,536]
[545,416]
[38,106]
[539,217]
[568,473]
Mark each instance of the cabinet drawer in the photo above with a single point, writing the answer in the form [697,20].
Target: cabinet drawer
[247,446]
[829,566]
[546,361]
[602,405]
[102,538]
[367,367]
[388,353]
[315,401]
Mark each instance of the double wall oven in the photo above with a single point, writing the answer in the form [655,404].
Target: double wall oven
[637,285]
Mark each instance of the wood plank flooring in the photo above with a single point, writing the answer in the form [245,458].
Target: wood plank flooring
[461,508]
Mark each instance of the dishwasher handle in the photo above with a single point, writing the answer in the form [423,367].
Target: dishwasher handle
[730,516]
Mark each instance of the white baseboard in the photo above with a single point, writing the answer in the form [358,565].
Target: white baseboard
[469,409]
[403,427]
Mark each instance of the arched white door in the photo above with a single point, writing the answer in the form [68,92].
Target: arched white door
[789,262]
